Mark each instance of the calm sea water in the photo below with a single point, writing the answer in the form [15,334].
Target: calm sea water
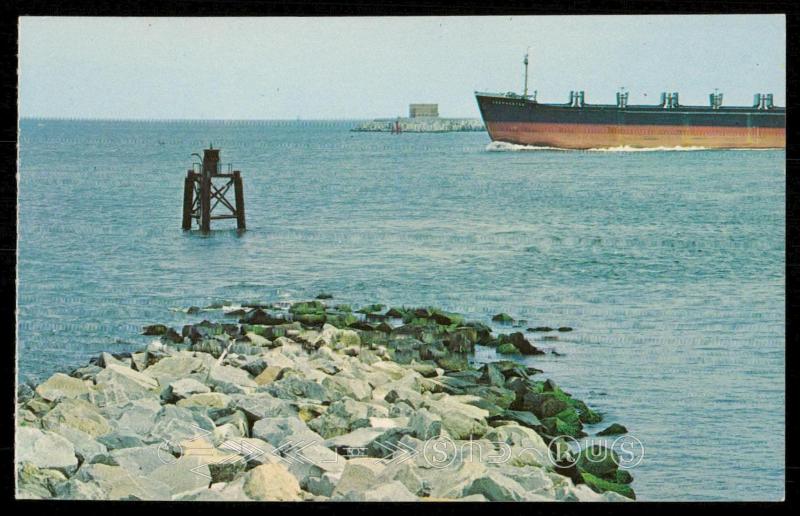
[669,265]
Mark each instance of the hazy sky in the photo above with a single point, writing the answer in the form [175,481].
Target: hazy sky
[260,68]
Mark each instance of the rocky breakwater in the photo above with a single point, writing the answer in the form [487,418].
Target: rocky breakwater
[310,402]
[421,125]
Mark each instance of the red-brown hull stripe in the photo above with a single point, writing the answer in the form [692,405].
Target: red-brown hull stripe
[589,136]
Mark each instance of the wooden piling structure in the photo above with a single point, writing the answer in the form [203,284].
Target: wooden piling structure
[188,200]
[205,203]
[238,189]
[201,195]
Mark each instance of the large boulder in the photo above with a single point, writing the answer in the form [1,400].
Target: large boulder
[74,489]
[279,430]
[185,474]
[394,491]
[295,387]
[523,345]
[600,485]
[387,443]
[78,414]
[177,367]
[613,429]
[45,450]
[140,379]
[183,388]
[119,484]
[116,385]
[258,340]
[134,418]
[173,424]
[117,440]
[359,475]
[458,478]
[322,485]
[262,405]
[543,404]
[271,482]
[107,358]
[425,424]
[35,483]
[260,317]
[599,461]
[86,447]
[534,479]
[61,386]
[138,461]
[268,375]
[231,380]
[207,400]
[343,416]
[406,473]
[459,420]
[342,386]
[253,451]
[526,447]
[497,487]
[237,419]
[492,375]
[359,438]
[312,460]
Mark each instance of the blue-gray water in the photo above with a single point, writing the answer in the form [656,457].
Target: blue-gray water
[669,265]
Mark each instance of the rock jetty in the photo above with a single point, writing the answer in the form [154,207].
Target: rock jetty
[422,125]
[307,401]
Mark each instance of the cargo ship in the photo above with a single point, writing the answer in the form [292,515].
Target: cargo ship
[520,119]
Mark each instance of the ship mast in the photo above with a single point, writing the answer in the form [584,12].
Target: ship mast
[525,91]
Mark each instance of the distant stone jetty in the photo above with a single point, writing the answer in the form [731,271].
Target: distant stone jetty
[307,401]
[421,125]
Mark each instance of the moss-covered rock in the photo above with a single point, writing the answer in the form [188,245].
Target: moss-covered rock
[260,317]
[445,318]
[613,429]
[544,404]
[462,340]
[600,485]
[599,461]
[503,318]
[341,321]
[586,415]
[362,325]
[307,307]
[523,345]
[623,476]
[154,329]
[371,309]
[312,319]
[507,349]
[396,313]
[565,423]
[453,362]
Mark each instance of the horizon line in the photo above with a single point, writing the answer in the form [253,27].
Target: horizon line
[153,119]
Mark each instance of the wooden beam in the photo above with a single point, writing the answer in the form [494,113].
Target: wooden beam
[188,201]
[205,204]
[238,188]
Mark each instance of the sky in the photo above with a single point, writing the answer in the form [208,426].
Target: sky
[359,68]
